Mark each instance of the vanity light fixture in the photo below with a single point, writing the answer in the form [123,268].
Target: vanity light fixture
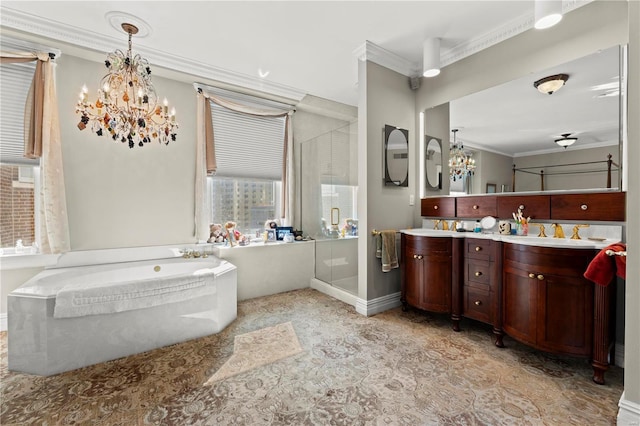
[431,57]
[127,107]
[551,84]
[547,13]
[565,140]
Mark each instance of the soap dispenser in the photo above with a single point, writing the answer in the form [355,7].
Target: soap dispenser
[477,228]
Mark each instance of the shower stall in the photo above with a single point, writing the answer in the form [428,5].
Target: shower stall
[328,205]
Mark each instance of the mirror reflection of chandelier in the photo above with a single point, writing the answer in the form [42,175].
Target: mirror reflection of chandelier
[460,164]
[127,107]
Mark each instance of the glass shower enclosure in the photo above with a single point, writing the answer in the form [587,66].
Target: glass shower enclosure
[328,209]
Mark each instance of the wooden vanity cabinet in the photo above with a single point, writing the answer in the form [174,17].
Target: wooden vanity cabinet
[606,206]
[429,267]
[481,283]
[537,207]
[548,304]
[438,206]
[476,206]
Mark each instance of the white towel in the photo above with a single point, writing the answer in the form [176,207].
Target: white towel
[82,299]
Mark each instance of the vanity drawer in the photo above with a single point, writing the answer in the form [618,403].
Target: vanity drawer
[609,206]
[476,206]
[476,304]
[477,273]
[534,206]
[476,248]
[438,206]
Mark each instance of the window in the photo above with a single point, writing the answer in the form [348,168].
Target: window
[17,214]
[248,181]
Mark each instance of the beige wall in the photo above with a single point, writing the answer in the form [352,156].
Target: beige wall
[388,100]
[121,197]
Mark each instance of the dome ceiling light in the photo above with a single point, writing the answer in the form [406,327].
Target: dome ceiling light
[551,84]
[565,140]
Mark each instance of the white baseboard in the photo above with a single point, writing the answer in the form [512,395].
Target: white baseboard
[629,413]
[364,307]
[334,292]
[3,322]
[377,305]
[619,356]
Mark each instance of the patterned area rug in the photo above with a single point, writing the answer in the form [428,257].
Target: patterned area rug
[258,348]
[395,368]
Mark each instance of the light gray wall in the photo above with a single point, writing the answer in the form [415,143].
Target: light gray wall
[529,182]
[491,168]
[121,197]
[389,100]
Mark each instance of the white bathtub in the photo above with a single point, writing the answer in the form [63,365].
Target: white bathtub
[115,310]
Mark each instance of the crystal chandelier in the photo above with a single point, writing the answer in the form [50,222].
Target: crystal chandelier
[460,164]
[127,108]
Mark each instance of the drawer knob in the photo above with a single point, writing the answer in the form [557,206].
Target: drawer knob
[477,303]
[478,273]
[532,275]
[541,277]
[476,207]
[435,207]
[584,207]
[521,206]
[478,248]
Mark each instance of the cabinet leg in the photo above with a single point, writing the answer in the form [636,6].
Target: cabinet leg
[598,372]
[498,334]
[456,323]
[405,306]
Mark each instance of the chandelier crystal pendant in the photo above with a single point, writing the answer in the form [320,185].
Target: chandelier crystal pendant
[460,164]
[127,107]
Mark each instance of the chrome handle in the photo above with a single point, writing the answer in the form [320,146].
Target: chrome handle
[477,303]
[540,277]
[337,221]
[532,275]
[584,207]
[478,273]
[521,206]
[476,207]
[478,248]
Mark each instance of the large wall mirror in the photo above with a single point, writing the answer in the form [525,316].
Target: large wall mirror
[517,124]
[433,162]
[396,156]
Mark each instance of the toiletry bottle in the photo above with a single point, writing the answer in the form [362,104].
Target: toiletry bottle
[478,228]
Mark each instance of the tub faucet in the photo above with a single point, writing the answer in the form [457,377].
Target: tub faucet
[557,230]
[576,228]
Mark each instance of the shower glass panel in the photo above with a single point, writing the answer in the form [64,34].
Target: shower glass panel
[329,213]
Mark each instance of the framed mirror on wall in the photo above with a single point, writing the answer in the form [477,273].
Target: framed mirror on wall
[433,163]
[396,156]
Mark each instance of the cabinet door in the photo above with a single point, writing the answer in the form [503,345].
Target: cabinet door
[565,314]
[519,304]
[479,206]
[589,206]
[438,206]
[537,207]
[412,283]
[436,287]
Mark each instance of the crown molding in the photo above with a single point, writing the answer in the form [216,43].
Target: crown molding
[374,53]
[27,23]
[371,52]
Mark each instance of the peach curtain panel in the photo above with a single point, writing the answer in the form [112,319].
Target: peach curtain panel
[42,139]
[206,149]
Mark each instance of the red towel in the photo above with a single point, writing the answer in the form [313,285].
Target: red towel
[603,267]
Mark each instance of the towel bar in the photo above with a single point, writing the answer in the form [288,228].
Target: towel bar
[615,253]
[375,232]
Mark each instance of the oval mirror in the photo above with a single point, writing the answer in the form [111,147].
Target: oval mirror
[396,154]
[433,162]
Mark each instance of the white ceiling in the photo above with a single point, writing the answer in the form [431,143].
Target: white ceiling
[307,47]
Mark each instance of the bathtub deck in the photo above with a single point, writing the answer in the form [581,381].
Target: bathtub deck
[40,344]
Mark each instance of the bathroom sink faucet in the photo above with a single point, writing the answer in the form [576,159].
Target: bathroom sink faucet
[541,226]
[576,228]
[557,230]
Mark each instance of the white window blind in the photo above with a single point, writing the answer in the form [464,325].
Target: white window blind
[247,146]
[15,80]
